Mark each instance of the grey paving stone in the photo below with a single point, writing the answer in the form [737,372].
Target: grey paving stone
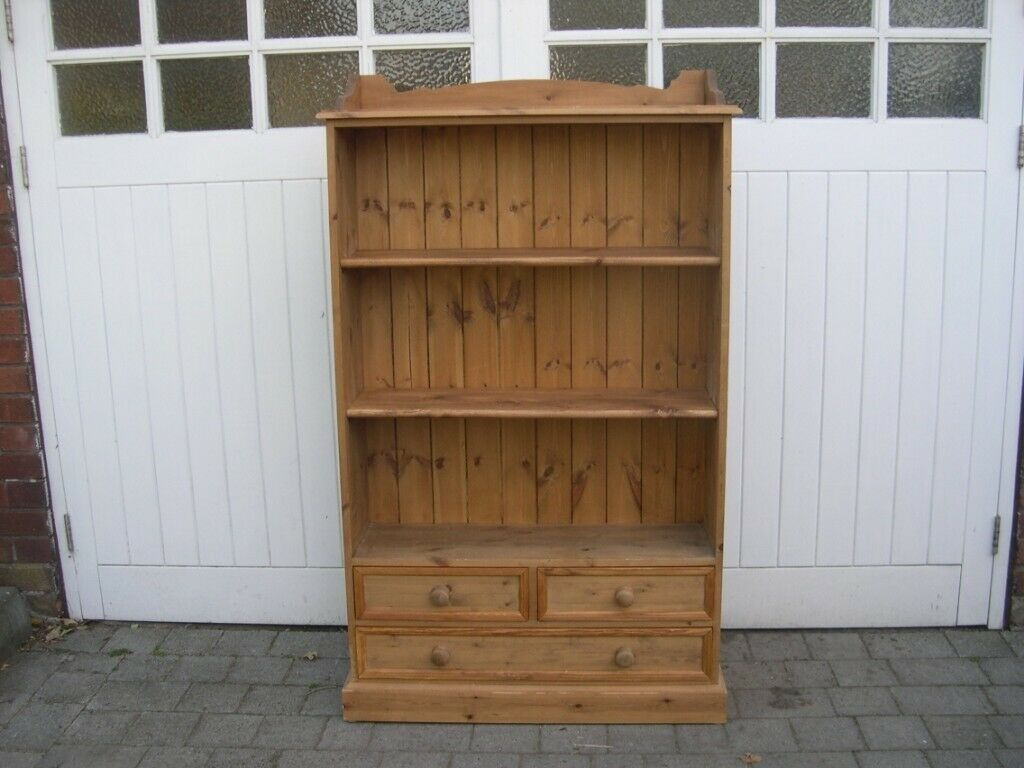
[895,732]
[506,738]
[237,757]
[784,702]
[735,647]
[769,674]
[617,760]
[98,728]
[908,644]
[88,638]
[26,672]
[827,733]
[697,738]
[978,643]
[642,738]
[1008,671]
[574,738]
[325,644]
[201,669]
[835,645]
[322,701]
[938,672]
[20,759]
[1010,728]
[175,757]
[162,729]
[960,732]
[419,737]
[317,672]
[1009,700]
[339,735]
[70,687]
[89,662]
[691,761]
[415,760]
[554,761]
[863,701]
[806,760]
[259,670]
[212,697]
[306,758]
[186,641]
[138,696]
[1010,758]
[854,672]
[484,760]
[142,639]
[974,758]
[37,726]
[137,668]
[1015,639]
[899,759]
[219,730]
[777,646]
[942,700]
[89,756]
[245,642]
[290,731]
[759,736]
[274,700]
[11,704]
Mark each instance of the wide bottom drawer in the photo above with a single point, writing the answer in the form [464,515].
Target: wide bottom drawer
[534,654]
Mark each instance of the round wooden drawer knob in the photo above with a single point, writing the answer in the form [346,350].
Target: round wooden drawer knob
[441,596]
[440,656]
[624,658]
[624,597]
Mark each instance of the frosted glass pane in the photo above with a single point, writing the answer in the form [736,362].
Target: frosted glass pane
[586,14]
[186,21]
[423,67]
[206,94]
[94,23]
[300,85]
[823,80]
[935,79]
[101,98]
[712,13]
[309,18]
[737,67]
[937,13]
[621,64]
[823,13]
[420,16]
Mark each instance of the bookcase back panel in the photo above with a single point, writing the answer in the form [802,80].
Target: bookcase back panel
[538,471]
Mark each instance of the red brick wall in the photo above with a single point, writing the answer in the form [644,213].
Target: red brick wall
[28,554]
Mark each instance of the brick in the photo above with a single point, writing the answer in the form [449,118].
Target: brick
[8,260]
[24,523]
[12,321]
[900,732]
[21,437]
[17,408]
[33,550]
[15,379]
[13,349]
[26,494]
[10,290]
[48,603]
[27,577]
[21,466]
[6,552]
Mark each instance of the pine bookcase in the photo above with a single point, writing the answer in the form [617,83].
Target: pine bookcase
[531,299]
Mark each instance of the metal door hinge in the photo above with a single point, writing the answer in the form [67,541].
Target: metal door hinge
[997,527]
[9,19]
[67,533]
[1020,148]
[23,156]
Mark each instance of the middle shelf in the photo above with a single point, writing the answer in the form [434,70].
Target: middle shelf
[534,403]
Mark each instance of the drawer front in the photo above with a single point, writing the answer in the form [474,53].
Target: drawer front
[534,654]
[625,594]
[429,594]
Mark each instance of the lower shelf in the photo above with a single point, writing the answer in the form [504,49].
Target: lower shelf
[462,702]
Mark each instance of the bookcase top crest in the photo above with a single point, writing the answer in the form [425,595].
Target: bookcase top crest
[372,100]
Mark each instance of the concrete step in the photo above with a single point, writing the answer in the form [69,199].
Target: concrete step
[15,624]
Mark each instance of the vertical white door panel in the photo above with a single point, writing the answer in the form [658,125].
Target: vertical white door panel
[737,370]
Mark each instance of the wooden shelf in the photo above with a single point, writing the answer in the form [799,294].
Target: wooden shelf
[534,257]
[534,403]
[561,545]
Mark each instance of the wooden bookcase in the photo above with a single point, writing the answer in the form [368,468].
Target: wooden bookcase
[530,319]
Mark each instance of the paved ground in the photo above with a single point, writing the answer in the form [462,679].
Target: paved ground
[118,696]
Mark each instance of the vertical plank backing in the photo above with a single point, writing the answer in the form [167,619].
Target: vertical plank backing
[480,326]
[371,174]
[588,216]
[661,317]
[514,147]
[553,320]
[443,218]
[625,313]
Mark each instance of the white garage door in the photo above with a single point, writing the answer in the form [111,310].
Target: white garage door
[175,250]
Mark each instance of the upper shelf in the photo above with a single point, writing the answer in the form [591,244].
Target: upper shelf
[536,257]
[371,100]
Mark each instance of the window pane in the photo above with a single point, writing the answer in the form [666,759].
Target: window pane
[94,23]
[186,21]
[423,67]
[620,64]
[737,67]
[823,13]
[206,94]
[586,14]
[404,17]
[300,85]
[935,79]
[937,13]
[823,80]
[712,13]
[101,98]
[309,18]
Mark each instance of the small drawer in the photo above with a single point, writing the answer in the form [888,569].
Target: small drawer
[534,654]
[625,594]
[458,594]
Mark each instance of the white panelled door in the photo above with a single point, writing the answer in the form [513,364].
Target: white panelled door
[876,329]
